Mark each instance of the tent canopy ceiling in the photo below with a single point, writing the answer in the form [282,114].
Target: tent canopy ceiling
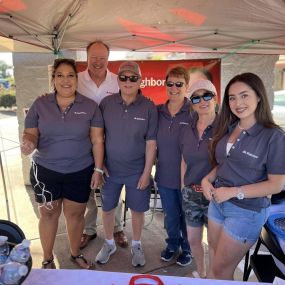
[224,26]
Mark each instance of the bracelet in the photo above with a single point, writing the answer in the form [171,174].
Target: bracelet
[99,170]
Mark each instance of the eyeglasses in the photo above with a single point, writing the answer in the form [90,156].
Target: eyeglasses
[177,84]
[132,78]
[207,96]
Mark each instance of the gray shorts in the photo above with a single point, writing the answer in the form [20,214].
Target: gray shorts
[136,199]
[195,207]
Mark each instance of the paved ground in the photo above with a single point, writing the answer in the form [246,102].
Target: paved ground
[23,211]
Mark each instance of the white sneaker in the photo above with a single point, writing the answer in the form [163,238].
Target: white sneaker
[138,255]
[106,251]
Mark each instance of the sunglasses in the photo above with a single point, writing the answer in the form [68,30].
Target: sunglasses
[177,84]
[207,96]
[132,78]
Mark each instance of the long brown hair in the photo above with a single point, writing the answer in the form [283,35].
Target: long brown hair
[262,112]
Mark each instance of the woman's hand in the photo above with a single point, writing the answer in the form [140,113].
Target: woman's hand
[27,146]
[96,180]
[29,140]
[208,189]
[223,194]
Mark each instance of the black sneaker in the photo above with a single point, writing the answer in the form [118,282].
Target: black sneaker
[184,259]
[167,254]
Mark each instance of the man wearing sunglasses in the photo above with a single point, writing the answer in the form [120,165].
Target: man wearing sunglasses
[97,82]
[130,147]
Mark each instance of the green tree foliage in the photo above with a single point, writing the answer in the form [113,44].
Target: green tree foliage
[3,69]
[7,101]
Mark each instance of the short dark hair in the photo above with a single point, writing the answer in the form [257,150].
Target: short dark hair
[98,42]
[66,61]
[178,71]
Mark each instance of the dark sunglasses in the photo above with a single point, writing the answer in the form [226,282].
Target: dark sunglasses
[177,84]
[207,96]
[132,78]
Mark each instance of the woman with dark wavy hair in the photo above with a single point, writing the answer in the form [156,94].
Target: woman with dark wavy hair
[248,151]
[64,129]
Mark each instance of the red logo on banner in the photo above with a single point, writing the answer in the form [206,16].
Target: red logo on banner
[154,72]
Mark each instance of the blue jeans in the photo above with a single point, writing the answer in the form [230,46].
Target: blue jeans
[174,219]
[240,224]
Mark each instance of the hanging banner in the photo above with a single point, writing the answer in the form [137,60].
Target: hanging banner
[154,72]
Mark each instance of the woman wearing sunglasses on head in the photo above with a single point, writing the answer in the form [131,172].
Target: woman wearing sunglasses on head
[65,129]
[195,164]
[248,150]
[173,115]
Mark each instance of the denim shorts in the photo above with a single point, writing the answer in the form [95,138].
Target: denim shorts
[136,199]
[241,224]
[195,207]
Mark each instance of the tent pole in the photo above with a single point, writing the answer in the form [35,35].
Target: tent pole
[5,188]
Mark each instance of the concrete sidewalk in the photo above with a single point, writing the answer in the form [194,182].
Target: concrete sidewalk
[23,212]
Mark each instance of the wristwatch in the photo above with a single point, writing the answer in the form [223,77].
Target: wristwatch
[240,194]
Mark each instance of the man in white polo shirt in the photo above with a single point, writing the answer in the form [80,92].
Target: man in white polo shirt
[97,82]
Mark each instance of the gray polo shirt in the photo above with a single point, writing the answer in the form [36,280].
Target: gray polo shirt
[168,151]
[256,153]
[127,128]
[195,151]
[64,143]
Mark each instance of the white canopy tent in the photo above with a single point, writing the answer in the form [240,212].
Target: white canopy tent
[237,31]
[223,26]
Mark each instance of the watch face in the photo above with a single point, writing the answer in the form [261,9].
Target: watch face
[240,195]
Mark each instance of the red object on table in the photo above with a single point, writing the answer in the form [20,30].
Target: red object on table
[145,279]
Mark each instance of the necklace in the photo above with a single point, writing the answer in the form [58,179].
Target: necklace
[240,127]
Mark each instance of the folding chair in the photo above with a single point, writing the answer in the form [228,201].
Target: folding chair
[263,265]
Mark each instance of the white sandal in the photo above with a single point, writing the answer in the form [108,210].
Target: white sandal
[195,274]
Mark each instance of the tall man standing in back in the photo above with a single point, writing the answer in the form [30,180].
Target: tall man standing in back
[97,82]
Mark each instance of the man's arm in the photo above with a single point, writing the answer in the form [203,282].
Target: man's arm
[150,154]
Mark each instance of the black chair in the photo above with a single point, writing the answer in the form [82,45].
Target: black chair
[263,265]
[12,231]
[15,235]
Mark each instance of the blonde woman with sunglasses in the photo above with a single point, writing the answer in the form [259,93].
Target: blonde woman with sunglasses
[194,142]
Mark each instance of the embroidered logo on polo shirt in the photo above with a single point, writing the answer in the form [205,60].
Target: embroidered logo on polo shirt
[183,123]
[80,113]
[139,119]
[249,154]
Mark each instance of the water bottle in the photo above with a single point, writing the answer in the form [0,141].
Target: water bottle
[4,249]
[12,272]
[21,252]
